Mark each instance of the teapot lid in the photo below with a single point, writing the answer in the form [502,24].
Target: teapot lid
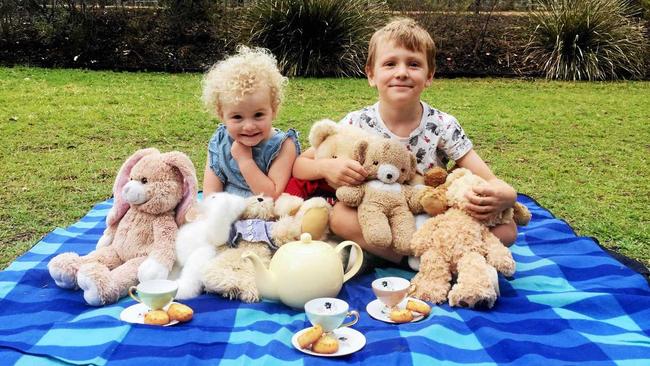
[305,238]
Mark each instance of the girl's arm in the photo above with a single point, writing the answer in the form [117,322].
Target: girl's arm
[494,197]
[337,172]
[279,173]
[211,182]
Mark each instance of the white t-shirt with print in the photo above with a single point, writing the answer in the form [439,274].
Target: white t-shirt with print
[438,139]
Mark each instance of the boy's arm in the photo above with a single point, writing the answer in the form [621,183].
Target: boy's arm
[494,197]
[211,182]
[337,172]
[279,173]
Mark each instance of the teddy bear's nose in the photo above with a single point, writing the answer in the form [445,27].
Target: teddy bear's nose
[260,199]
[389,176]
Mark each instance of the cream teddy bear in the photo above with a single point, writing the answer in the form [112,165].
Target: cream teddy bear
[153,192]
[453,242]
[263,227]
[385,204]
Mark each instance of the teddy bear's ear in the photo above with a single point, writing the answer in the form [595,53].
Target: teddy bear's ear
[320,131]
[360,150]
[184,165]
[120,206]
[414,167]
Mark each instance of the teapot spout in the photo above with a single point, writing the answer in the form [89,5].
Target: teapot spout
[264,279]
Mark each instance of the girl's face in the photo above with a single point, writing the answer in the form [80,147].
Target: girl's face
[249,121]
[399,74]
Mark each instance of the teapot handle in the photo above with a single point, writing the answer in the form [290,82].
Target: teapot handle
[357,262]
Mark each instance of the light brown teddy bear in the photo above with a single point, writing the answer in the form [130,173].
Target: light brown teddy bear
[385,204]
[449,191]
[231,275]
[153,192]
[453,242]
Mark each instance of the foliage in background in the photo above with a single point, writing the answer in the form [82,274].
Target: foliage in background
[315,37]
[587,40]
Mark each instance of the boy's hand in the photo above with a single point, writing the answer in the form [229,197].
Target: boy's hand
[241,152]
[490,199]
[343,172]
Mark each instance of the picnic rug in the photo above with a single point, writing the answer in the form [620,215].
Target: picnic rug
[568,303]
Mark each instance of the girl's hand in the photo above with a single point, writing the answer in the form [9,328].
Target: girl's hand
[343,172]
[490,199]
[241,152]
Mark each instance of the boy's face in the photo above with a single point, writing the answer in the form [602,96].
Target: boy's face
[249,120]
[399,74]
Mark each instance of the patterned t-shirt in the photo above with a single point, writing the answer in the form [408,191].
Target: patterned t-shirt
[438,139]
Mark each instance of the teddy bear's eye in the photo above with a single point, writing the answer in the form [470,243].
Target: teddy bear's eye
[375,162]
[334,156]
[143,180]
[403,170]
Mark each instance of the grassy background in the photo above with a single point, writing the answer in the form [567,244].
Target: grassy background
[580,149]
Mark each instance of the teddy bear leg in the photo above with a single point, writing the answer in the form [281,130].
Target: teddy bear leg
[498,255]
[474,286]
[231,276]
[314,217]
[102,286]
[64,267]
[402,225]
[432,282]
[375,226]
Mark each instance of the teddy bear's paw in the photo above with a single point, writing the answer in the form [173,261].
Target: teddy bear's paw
[62,270]
[188,289]
[434,295]
[89,277]
[249,295]
[479,299]
[505,266]
[151,269]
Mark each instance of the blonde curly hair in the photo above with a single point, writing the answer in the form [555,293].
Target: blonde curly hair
[229,80]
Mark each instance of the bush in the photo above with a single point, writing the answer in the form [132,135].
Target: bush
[315,37]
[587,40]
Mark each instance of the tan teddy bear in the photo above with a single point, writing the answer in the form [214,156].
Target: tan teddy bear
[153,192]
[449,191]
[453,242]
[231,275]
[385,204]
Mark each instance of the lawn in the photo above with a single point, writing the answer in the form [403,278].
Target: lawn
[579,149]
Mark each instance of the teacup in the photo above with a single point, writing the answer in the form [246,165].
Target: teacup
[155,294]
[391,290]
[330,313]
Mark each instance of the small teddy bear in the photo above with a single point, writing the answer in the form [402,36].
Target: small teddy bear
[263,227]
[385,203]
[153,192]
[448,190]
[453,242]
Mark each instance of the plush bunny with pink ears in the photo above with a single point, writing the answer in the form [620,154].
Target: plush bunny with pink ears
[153,192]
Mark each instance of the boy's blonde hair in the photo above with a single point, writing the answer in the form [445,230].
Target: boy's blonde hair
[407,33]
[229,80]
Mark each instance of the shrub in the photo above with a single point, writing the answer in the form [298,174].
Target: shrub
[587,40]
[315,37]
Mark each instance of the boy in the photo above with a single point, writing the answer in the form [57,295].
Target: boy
[401,64]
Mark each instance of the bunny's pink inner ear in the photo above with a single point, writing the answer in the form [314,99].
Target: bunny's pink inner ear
[184,165]
[120,206]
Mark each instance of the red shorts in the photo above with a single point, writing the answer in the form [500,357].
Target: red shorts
[311,188]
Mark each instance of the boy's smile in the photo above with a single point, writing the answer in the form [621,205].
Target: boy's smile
[249,120]
[399,74]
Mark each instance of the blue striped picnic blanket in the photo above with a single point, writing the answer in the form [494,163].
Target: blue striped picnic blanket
[569,302]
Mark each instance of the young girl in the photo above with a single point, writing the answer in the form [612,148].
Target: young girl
[246,155]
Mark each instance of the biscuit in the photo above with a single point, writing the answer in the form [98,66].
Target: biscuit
[310,336]
[156,317]
[180,312]
[326,345]
[401,315]
[419,307]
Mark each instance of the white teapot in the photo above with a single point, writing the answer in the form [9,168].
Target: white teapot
[303,270]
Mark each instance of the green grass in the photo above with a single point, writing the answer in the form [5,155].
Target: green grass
[580,149]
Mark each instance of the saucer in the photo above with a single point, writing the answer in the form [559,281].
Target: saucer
[376,309]
[135,314]
[350,341]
